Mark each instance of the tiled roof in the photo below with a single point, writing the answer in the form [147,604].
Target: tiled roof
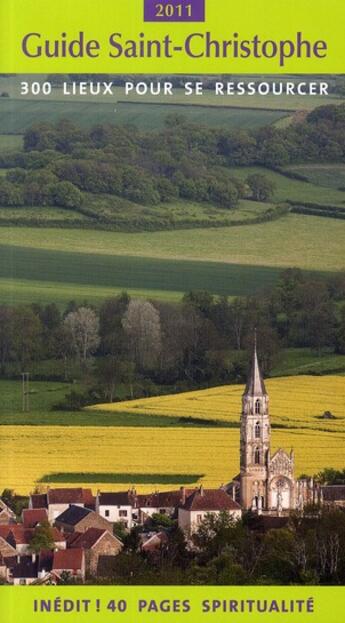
[31,517]
[68,560]
[39,500]
[164,499]
[89,538]
[58,537]
[333,493]
[70,496]
[155,541]
[5,508]
[73,515]
[20,535]
[210,500]
[71,538]
[121,498]
[5,530]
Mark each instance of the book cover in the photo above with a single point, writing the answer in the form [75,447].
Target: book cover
[172,311]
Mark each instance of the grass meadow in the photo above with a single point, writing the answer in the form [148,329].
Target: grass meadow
[329,175]
[51,264]
[293,240]
[287,189]
[17,115]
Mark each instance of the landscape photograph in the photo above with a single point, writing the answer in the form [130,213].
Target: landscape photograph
[172,333]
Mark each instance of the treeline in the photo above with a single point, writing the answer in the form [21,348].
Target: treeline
[200,341]
[306,550]
[180,161]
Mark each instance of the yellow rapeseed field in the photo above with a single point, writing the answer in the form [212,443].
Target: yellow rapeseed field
[31,452]
[295,401]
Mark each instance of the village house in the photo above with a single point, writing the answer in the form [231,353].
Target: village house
[203,502]
[22,570]
[158,503]
[56,501]
[6,549]
[6,514]
[34,517]
[71,561]
[20,538]
[80,519]
[152,543]
[95,542]
[116,507]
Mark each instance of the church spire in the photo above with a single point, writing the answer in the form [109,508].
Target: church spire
[255,383]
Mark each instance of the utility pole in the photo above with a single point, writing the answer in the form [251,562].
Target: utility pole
[25,391]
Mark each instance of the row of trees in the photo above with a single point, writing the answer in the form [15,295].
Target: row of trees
[310,549]
[181,160]
[192,343]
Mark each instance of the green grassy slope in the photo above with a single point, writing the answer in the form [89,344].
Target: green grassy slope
[293,240]
[288,189]
[16,115]
[122,272]
[330,175]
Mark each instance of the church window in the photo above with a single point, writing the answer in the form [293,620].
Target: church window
[257,456]
[257,406]
[257,430]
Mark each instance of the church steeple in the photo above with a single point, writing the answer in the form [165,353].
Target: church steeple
[255,438]
[255,383]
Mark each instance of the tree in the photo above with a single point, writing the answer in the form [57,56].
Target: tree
[340,333]
[10,194]
[83,326]
[66,195]
[26,335]
[42,538]
[111,371]
[5,336]
[141,323]
[261,187]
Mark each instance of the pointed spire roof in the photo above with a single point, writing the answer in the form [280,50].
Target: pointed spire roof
[255,383]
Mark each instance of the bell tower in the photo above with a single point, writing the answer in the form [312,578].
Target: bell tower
[255,440]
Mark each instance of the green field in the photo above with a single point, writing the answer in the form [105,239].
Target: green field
[38,264]
[45,394]
[293,240]
[126,272]
[41,215]
[288,189]
[112,212]
[18,115]
[329,175]
[10,142]
[295,361]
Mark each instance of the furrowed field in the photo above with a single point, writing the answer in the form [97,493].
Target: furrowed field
[148,457]
[296,402]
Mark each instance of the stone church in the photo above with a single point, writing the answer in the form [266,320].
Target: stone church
[266,483]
